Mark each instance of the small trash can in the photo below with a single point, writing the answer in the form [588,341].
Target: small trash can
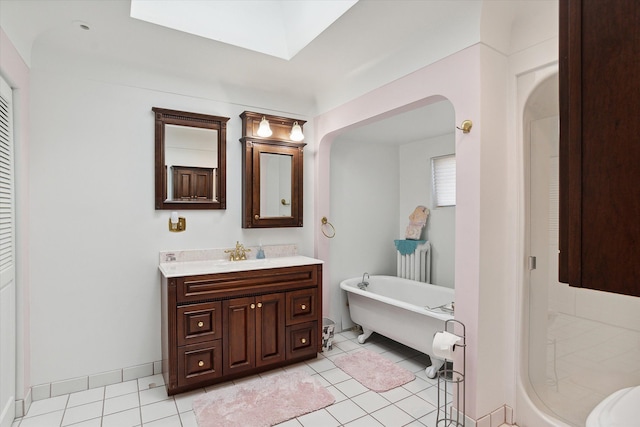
[328,326]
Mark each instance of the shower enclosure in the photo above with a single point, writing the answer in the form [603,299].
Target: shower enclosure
[582,344]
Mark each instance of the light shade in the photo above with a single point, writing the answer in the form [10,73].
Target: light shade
[296,132]
[264,130]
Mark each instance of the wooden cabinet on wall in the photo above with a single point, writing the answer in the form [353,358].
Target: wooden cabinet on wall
[192,183]
[600,145]
[222,326]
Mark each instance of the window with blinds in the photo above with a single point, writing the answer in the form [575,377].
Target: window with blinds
[6,179]
[443,170]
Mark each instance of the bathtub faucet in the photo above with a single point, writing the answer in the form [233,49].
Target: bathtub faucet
[364,283]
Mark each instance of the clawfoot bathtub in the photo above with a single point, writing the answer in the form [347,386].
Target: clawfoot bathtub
[397,308]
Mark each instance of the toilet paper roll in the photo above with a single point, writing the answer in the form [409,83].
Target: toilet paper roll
[444,344]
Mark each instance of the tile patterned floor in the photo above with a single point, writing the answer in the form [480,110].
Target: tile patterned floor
[144,402]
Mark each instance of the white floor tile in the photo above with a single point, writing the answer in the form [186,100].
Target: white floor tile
[95,422]
[119,389]
[48,419]
[345,411]
[128,418]
[184,401]
[82,413]
[40,407]
[396,394]
[188,419]
[366,421]
[392,416]
[415,406]
[319,418]
[351,388]
[153,395]
[321,365]
[337,394]
[335,375]
[158,410]
[150,382]
[121,403]
[370,401]
[172,421]
[87,396]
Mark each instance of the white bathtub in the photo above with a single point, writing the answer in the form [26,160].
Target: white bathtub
[396,308]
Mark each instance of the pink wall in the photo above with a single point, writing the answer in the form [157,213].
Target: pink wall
[459,79]
[15,71]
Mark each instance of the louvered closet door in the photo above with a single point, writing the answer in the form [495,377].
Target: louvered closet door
[7,261]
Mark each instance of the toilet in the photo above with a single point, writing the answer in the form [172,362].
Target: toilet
[621,409]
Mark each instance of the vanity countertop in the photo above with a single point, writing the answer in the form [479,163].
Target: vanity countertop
[192,268]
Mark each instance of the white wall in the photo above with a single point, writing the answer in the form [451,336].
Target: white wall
[95,234]
[416,189]
[364,200]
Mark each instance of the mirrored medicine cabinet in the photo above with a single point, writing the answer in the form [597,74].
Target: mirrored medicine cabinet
[272,173]
[190,160]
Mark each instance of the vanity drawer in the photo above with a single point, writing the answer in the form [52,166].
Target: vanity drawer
[199,322]
[302,340]
[199,362]
[301,306]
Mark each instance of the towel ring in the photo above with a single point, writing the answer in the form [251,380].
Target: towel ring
[325,221]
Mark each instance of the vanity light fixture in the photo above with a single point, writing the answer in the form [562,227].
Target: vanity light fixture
[177,223]
[264,130]
[296,132]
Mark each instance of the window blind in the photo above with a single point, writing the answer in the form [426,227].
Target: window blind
[6,178]
[443,171]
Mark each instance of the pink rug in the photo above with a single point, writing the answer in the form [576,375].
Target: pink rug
[262,402]
[374,371]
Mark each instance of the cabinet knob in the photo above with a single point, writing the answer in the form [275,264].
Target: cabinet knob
[303,340]
[259,304]
[201,363]
[253,306]
[303,306]
[200,324]
[257,217]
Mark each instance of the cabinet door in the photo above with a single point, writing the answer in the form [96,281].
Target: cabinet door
[270,333]
[599,149]
[239,335]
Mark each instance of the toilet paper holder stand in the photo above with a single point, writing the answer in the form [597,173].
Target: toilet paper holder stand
[449,375]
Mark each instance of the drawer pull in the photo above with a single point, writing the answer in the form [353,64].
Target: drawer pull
[303,340]
[304,307]
[201,363]
[252,306]
[200,324]
[259,305]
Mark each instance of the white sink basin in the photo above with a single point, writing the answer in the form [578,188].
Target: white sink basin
[174,269]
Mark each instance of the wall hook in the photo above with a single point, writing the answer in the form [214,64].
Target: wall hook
[466,126]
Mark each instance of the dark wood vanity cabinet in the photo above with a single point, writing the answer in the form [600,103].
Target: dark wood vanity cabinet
[599,65]
[223,326]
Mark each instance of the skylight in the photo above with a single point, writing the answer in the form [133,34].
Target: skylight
[280,28]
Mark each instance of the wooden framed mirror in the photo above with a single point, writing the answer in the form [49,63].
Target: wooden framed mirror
[272,184]
[190,160]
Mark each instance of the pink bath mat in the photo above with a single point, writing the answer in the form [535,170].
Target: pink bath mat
[374,371]
[262,402]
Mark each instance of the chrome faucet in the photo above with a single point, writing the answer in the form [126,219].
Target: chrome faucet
[364,283]
[237,254]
